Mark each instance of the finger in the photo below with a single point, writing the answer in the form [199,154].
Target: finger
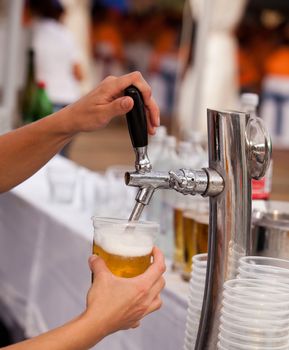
[135,325]
[150,127]
[154,115]
[155,270]
[118,107]
[156,289]
[136,79]
[97,265]
[155,305]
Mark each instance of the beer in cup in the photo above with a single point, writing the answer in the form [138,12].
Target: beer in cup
[195,229]
[178,239]
[125,246]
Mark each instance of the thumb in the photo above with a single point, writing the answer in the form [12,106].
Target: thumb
[119,106]
[97,265]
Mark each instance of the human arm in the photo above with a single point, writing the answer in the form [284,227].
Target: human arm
[25,150]
[113,304]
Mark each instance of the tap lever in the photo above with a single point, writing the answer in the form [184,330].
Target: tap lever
[136,118]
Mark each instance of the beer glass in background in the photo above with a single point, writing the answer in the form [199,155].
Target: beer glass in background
[126,247]
[195,231]
[182,203]
[178,257]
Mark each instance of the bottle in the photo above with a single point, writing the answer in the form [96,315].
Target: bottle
[168,161]
[180,204]
[155,150]
[156,144]
[29,91]
[260,188]
[43,105]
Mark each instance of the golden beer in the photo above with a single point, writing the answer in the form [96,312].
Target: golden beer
[195,230]
[126,248]
[178,239]
[123,266]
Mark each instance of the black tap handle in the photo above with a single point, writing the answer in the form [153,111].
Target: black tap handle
[136,118]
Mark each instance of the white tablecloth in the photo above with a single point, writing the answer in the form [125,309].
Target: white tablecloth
[44,276]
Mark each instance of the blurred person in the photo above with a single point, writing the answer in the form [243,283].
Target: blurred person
[56,54]
[248,75]
[107,41]
[138,47]
[275,89]
[113,303]
[57,57]
[164,63]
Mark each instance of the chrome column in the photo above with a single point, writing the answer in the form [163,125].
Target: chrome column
[232,138]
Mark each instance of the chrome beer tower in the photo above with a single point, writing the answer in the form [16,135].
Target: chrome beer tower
[239,150]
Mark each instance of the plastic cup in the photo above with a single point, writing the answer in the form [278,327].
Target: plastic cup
[245,339]
[246,321]
[200,260]
[243,301]
[256,312]
[237,346]
[199,277]
[245,272]
[196,293]
[258,289]
[62,177]
[260,262]
[261,331]
[126,247]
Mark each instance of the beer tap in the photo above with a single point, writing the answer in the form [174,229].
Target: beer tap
[239,150]
[206,182]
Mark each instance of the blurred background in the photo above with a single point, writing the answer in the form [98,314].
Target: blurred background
[195,54]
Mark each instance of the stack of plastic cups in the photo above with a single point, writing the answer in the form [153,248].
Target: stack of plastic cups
[255,312]
[196,293]
[259,267]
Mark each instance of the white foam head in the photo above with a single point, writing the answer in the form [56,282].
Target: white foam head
[121,237]
[129,244]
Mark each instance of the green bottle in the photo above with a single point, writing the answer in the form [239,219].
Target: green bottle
[43,105]
[29,92]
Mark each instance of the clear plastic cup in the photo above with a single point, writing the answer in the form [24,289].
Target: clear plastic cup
[243,338]
[62,179]
[221,347]
[189,344]
[200,260]
[125,246]
[196,284]
[199,277]
[261,331]
[245,272]
[255,288]
[246,321]
[196,290]
[243,301]
[260,262]
[193,311]
[256,312]
[192,328]
[238,346]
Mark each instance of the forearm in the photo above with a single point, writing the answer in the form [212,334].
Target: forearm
[25,150]
[79,334]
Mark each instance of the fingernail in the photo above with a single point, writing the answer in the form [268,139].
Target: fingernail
[125,103]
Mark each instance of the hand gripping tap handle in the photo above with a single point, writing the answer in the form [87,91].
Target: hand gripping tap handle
[136,118]
[137,126]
